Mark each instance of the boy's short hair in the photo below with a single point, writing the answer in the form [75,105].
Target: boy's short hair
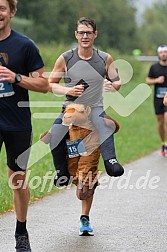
[86,21]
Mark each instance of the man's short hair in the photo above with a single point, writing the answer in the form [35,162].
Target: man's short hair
[86,21]
[161,48]
[12,5]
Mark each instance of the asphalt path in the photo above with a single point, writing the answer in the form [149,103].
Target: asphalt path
[129,214]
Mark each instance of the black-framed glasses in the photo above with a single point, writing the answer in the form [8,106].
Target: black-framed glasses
[88,33]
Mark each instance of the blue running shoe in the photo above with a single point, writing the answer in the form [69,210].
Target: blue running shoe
[85,227]
[22,243]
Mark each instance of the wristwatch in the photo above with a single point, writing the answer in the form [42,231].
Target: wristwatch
[18,78]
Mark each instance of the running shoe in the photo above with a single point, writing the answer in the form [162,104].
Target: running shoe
[22,243]
[113,168]
[163,150]
[85,227]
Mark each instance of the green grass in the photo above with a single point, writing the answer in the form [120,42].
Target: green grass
[136,138]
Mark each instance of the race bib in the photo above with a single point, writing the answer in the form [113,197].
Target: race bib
[75,148]
[160,92]
[6,89]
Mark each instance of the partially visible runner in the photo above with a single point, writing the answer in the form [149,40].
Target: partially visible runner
[19,57]
[157,76]
[84,69]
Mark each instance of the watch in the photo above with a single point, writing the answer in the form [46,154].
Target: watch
[18,78]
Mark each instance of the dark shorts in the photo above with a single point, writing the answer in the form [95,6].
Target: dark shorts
[159,107]
[16,143]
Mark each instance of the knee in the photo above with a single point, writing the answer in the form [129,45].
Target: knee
[85,192]
[160,121]
[17,181]
[160,125]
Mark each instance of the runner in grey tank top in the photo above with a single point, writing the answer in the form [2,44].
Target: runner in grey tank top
[88,66]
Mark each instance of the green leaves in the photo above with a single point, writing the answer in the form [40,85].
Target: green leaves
[55,21]
[153,29]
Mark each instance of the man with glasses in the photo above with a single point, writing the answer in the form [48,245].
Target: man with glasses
[157,76]
[84,70]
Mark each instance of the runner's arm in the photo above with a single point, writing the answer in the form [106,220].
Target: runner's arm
[55,78]
[153,81]
[35,83]
[112,82]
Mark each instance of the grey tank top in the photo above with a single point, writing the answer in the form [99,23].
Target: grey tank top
[90,72]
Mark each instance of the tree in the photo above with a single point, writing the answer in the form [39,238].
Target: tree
[25,8]
[117,25]
[54,20]
[153,29]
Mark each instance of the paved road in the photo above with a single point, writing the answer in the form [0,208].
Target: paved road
[128,214]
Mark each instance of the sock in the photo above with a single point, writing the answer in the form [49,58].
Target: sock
[87,217]
[21,227]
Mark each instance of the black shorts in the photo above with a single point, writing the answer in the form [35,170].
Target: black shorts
[16,143]
[159,107]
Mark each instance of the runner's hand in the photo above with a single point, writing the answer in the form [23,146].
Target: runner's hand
[76,90]
[160,79]
[7,75]
[108,86]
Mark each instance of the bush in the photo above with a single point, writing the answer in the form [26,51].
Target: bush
[24,26]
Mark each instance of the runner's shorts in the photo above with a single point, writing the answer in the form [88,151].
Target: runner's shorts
[159,107]
[17,145]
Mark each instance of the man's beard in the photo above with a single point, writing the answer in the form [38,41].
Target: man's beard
[163,59]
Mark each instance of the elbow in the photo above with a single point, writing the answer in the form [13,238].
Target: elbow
[45,91]
[148,81]
[45,88]
[116,85]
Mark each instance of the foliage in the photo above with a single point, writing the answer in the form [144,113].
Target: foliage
[54,21]
[117,25]
[50,52]
[153,29]
[23,25]
[25,8]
